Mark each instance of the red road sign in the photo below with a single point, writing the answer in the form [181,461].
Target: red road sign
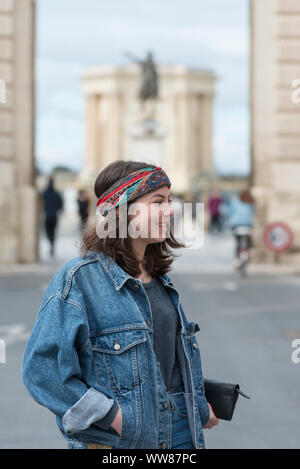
[278,237]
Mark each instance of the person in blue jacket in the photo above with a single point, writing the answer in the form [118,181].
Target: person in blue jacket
[112,353]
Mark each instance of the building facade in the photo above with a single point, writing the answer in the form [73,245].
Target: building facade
[18,195]
[275,119]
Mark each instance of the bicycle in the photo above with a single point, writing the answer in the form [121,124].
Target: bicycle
[243,240]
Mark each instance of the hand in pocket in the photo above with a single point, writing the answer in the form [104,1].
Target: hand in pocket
[117,422]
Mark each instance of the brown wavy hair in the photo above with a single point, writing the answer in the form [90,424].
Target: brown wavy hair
[245,196]
[158,256]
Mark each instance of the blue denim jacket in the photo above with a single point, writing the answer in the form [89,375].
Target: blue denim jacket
[91,345]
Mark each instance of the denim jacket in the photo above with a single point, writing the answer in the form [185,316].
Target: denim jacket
[92,346]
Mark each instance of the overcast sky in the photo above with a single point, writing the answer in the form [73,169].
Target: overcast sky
[75,34]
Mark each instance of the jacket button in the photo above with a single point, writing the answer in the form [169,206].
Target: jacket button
[117,346]
[195,346]
[149,322]
[166,405]
[136,287]
[164,445]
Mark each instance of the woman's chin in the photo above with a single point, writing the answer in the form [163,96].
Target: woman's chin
[162,234]
[159,239]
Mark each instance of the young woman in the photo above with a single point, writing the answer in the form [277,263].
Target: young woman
[112,353]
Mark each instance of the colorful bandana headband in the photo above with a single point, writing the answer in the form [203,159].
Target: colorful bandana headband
[132,186]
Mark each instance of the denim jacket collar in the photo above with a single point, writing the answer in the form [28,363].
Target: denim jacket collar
[118,276]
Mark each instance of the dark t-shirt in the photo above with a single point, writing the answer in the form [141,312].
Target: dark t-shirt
[165,326]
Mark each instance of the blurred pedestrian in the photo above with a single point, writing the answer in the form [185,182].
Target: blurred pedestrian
[241,214]
[224,213]
[214,203]
[53,203]
[83,202]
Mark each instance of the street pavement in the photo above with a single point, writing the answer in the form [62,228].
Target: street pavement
[246,329]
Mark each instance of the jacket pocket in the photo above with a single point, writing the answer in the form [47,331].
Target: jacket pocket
[121,359]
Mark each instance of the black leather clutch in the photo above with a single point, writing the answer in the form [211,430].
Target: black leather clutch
[222,397]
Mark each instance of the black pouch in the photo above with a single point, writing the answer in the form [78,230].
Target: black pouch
[222,397]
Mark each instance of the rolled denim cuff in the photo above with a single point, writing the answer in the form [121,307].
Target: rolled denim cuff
[106,422]
[91,407]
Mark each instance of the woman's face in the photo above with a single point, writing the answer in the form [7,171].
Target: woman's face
[150,215]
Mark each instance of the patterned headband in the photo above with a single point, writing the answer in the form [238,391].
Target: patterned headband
[130,187]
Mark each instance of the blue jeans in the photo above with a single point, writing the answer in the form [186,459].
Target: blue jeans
[180,430]
[180,435]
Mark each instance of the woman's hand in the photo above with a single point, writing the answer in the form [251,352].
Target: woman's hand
[117,422]
[213,420]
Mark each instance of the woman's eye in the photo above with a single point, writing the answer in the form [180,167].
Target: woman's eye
[161,201]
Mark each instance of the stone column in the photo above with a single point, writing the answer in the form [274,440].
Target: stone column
[182,135]
[92,132]
[114,132]
[18,196]
[275,141]
[206,126]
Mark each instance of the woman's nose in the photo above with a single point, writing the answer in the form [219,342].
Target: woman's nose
[167,212]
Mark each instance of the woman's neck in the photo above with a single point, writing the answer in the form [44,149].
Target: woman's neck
[139,248]
[144,276]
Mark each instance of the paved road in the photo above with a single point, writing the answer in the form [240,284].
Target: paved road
[247,326]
